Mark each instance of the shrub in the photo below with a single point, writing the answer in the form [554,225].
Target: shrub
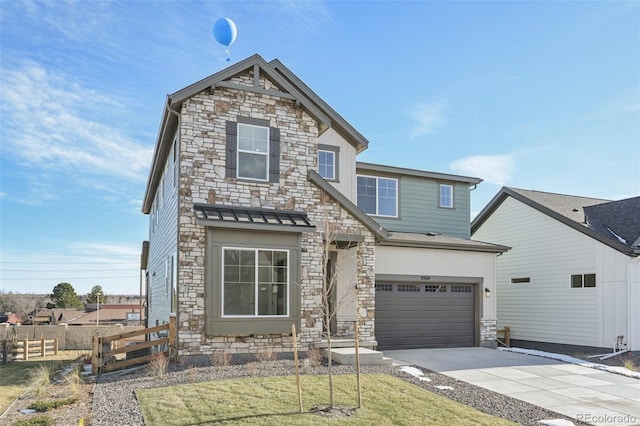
[315,357]
[39,379]
[35,421]
[630,365]
[220,359]
[158,365]
[52,404]
[266,354]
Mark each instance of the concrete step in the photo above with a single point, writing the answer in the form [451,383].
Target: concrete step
[347,356]
[337,342]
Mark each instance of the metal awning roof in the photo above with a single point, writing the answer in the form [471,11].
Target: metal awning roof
[251,218]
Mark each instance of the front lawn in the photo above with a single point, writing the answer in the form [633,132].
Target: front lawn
[273,400]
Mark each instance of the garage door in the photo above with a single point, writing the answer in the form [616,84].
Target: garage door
[416,315]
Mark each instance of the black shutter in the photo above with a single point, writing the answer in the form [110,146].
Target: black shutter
[274,154]
[231,151]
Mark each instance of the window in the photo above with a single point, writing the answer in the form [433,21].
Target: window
[583,281]
[326,164]
[378,196]
[255,282]
[446,196]
[329,162]
[253,152]
[520,280]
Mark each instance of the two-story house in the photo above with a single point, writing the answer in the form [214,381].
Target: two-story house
[250,171]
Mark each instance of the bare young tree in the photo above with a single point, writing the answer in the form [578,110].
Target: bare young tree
[20,303]
[333,261]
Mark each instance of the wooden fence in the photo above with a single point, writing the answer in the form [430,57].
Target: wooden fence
[137,346]
[24,349]
[503,336]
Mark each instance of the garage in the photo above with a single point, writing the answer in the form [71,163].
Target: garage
[425,315]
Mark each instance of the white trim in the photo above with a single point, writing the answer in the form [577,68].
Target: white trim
[440,204]
[238,151]
[377,178]
[333,166]
[255,282]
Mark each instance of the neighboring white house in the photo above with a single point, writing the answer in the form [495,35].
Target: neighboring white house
[573,273]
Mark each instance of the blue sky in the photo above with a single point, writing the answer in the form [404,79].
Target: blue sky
[535,95]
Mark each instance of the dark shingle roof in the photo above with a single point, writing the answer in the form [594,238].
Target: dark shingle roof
[617,219]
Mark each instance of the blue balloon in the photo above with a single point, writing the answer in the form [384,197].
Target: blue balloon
[225,31]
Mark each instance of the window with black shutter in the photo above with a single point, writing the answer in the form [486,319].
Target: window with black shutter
[253,150]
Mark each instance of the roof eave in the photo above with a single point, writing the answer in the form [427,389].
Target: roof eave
[153,178]
[448,246]
[414,172]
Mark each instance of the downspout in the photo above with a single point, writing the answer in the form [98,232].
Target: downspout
[629,304]
[177,237]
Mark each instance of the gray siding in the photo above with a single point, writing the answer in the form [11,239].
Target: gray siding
[419,211]
[163,242]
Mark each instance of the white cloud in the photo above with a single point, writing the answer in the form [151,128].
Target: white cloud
[427,117]
[496,169]
[53,123]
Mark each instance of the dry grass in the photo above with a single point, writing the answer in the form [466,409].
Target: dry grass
[36,376]
[266,354]
[315,357]
[220,359]
[40,379]
[272,400]
[158,365]
[630,365]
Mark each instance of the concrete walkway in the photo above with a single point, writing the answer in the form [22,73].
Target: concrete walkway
[583,393]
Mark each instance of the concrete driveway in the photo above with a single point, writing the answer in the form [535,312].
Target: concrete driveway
[583,393]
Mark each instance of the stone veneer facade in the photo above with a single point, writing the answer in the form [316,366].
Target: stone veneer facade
[488,334]
[202,180]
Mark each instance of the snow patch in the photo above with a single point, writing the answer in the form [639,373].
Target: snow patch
[444,387]
[571,360]
[556,422]
[415,372]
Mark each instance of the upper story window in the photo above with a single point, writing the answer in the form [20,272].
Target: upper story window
[378,196]
[445,198]
[583,281]
[328,161]
[327,164]
[253,152]
[255,282]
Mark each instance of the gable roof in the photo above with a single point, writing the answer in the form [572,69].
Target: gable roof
[587,215]
[287,85]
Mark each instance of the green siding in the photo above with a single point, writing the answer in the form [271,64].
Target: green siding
[419,211]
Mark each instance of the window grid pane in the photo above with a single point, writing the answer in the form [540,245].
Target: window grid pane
[253,152]
[254,274]
[378,196]
[446,196]
[387,196]
[367,194]
[576,281]
[326,164]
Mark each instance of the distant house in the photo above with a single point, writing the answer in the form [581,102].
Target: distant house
[11,318]
[249,166]
[573,273]
[104,315]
